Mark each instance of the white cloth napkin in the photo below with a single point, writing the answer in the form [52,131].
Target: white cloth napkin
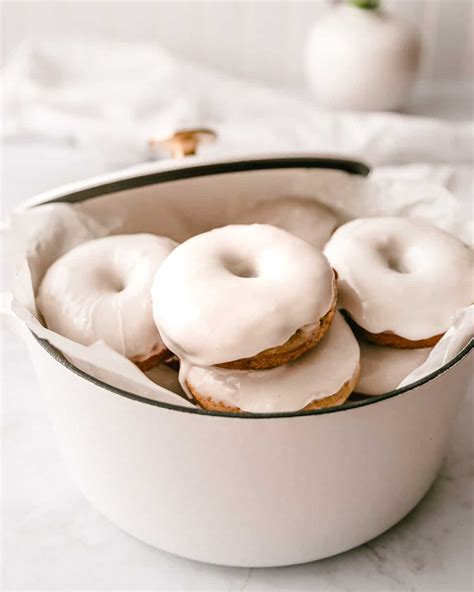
[112,97]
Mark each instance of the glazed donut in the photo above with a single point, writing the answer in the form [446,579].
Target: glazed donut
[243,297]
[304,217]
[100,290]
[400,280]
[323,377]
[383,368]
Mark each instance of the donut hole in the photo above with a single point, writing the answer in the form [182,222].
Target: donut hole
[240,267]
[119,286]
[112,282]
[393,258]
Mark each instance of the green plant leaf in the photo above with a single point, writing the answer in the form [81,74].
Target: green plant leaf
[367,4]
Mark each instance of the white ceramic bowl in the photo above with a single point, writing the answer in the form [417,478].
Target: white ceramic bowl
[262,490]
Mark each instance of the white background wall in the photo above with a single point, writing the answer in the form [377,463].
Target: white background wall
[261,40]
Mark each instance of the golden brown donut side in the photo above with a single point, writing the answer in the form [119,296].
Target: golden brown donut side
[330,401]
[338,398]
[391,339]
[153,360]
[299,343]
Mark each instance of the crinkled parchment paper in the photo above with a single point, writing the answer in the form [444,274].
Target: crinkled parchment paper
[180,209]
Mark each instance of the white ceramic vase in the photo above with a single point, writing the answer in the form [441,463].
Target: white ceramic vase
[361,59]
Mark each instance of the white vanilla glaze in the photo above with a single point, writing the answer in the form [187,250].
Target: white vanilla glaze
[235,291]
[100,290]
[319,373]
[383,368]
[303,217]
[400,275]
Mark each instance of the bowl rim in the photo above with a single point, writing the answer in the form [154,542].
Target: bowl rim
[369,400]
[117,182]
[214,168]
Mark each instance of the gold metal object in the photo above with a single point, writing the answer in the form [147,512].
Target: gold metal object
[183,142]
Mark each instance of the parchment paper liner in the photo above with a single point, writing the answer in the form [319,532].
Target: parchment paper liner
[180,209]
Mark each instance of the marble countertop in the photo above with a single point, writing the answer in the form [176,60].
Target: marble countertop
[53,539]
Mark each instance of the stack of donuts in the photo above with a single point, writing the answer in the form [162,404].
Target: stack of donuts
[250,310]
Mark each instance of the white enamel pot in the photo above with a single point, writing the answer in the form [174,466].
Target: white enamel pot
[262,490]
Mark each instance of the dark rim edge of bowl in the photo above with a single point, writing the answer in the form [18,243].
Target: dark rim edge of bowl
[369,400]
[352,167]
[341,164]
